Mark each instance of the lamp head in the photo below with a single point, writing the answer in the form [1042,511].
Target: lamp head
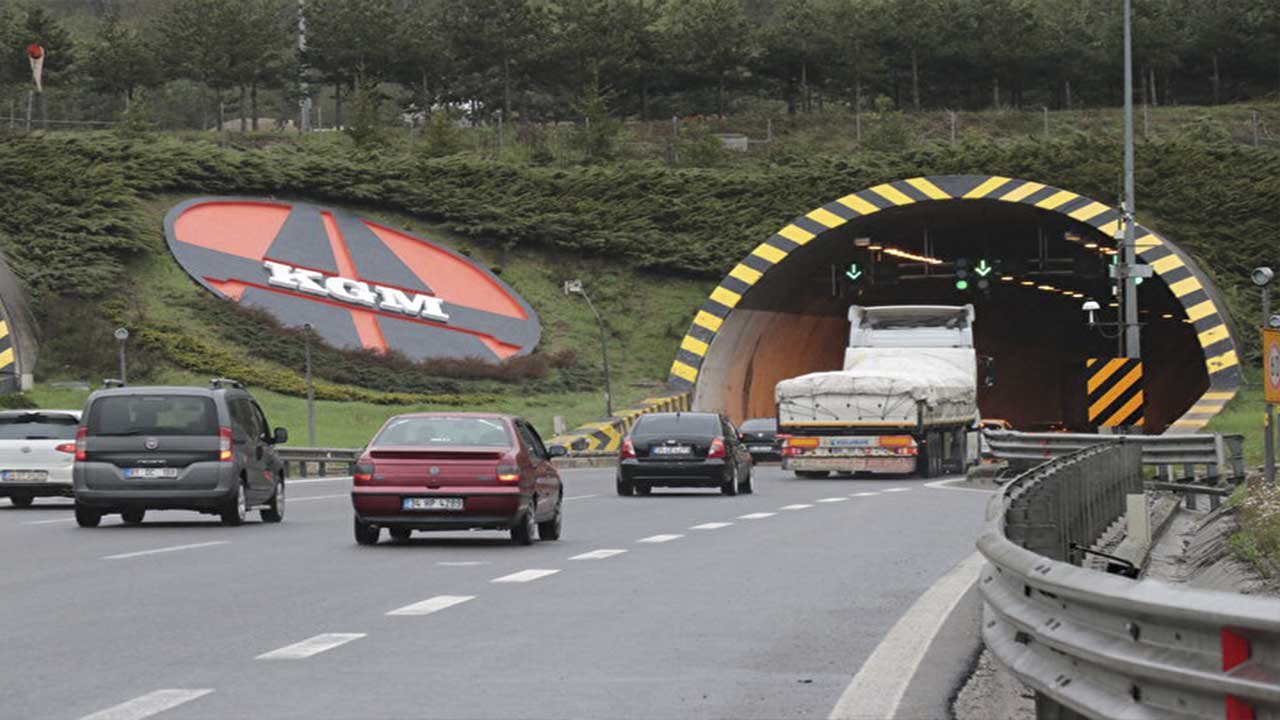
[1262,276]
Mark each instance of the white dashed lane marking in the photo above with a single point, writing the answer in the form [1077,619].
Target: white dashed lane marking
[49,522]
[897,489]
[598,554]
[463,563]
[316,497]
[524,576]
[834,499]
[173,548]
[430,605]
[659,538]
[311,646]
[148,705]
[863,494]
[711,526]
[797,506]
[580,497]
[756,516]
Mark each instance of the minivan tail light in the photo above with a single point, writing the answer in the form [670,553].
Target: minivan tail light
[362,473]
[224,444]
[508,473]
[628,449]
[66,448]
[717,449]
[81,446]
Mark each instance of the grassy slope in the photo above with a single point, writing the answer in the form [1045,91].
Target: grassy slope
[647,315]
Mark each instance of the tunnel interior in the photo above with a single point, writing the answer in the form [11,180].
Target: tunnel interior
[1027,272]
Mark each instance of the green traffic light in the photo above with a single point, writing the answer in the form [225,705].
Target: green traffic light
[962,284]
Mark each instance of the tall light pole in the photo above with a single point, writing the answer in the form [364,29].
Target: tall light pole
[1128,256]
[311,400]
[305,103]
[575,287]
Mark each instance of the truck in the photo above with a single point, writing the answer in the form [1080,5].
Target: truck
[905,402]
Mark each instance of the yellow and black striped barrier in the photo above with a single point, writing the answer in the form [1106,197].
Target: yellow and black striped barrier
[9,379]
[1170,265]
[604,436]
[1114,389]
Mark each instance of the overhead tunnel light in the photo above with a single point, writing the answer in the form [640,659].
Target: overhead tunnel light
[912,256]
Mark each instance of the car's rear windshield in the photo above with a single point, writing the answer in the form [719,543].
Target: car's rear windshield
[759,425]
[678,424]
[445,431]
[38,426]
[153,415]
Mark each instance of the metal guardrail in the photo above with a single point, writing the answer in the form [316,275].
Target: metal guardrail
[1098,645]
[299,459]
[1221,456]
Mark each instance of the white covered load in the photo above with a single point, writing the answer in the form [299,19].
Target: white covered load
[901,361]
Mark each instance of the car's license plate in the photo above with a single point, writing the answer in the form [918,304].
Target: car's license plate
[761,448]
[24,475]
[672,450]
[432,504]
[150,473]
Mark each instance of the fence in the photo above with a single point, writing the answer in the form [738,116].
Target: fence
[1097,645]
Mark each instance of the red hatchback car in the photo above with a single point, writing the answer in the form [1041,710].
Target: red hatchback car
[457,471]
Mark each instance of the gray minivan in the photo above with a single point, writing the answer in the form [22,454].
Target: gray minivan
[210,450]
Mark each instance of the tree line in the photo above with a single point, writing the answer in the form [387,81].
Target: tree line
[532,59]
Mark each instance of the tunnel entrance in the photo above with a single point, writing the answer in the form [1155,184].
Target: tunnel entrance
[1024,254]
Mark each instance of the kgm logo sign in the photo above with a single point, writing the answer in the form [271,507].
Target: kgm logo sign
[359,283]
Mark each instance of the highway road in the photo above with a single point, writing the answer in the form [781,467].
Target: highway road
[678,605]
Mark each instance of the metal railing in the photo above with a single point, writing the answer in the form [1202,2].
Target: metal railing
[1217,456]
[1099,645]
[298,460]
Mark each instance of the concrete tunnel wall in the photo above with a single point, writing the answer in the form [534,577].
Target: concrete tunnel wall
[738,347]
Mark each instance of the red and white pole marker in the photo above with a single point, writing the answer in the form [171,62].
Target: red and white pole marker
[35,54]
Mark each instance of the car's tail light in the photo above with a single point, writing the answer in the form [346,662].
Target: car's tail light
[628,449]
[224,444]
[81,446]
[68,448]
[717,449]
[508,473]
[362,473]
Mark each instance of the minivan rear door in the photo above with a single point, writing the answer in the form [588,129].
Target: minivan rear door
[151,436]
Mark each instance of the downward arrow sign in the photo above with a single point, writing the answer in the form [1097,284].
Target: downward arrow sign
[983,269]
[853,272]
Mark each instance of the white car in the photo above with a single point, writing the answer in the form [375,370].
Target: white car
[37,452]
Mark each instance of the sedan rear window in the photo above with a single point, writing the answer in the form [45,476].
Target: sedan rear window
[677,424]
[38,426]
[759,425]
[445,431]
[153,415]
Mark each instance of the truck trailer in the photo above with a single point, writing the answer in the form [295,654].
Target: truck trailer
[905,402]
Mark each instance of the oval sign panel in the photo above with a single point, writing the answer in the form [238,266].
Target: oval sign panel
[359,283]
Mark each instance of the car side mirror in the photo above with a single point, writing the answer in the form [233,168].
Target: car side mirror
[281,437]
[556,451]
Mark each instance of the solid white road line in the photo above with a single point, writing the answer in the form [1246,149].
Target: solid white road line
[797,506]
[659,538]
[430,605]
[49,522]
[148,705]
[172,548]
[877,689]
[711,526]
[756,516]
[315,497]
[463,563]
[311,646]
[597,554]
[945,485]
[524,576]
[833,499]
[863,494]
[581,497]
[897,489]
[308,481]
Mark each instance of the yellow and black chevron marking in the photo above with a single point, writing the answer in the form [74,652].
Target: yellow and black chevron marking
[1115,391]
[9,381]
[1169,264]
[606,435]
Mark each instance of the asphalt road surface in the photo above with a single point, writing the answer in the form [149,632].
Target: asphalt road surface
[678,605]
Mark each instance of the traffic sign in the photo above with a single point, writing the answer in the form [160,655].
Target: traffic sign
[983,269]
[854,272]
[1271,365]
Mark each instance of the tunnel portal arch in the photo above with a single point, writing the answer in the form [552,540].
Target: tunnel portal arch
[713,325]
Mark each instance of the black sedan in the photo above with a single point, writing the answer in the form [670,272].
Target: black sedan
[684,449]
[760,435]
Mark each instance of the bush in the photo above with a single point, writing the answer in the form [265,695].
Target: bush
[440,136]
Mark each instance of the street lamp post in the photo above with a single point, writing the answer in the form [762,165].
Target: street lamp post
[311,400]
[1128,254]
[575,287]
[122,336]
